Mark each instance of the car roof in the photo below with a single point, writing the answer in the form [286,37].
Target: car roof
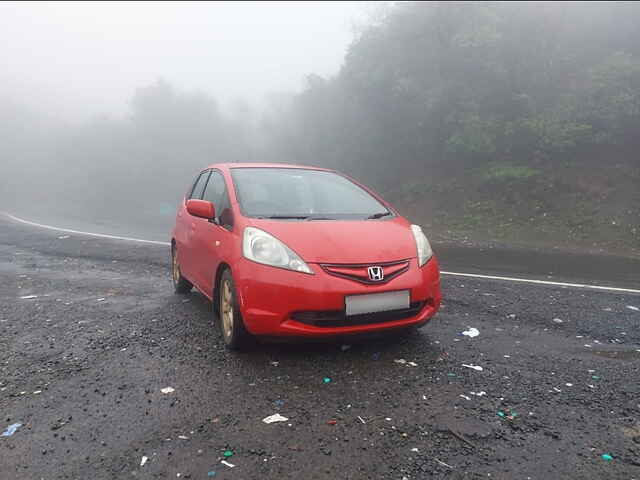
[228,166]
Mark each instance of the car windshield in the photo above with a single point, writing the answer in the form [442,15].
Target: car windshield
[298,194]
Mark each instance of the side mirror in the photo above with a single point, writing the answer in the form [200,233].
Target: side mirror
[201,208]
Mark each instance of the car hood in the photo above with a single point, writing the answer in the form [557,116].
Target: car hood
[340,241]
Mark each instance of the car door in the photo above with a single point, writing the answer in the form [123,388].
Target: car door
[186,230]
[213,237]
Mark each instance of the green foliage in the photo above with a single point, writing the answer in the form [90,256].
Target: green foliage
[471,82]
[475,136]
[612,101]
[552,135]
[509,172]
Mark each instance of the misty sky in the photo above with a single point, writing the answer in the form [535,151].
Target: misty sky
[78,59]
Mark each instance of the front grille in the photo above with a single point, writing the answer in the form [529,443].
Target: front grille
[337,318]
[359,273]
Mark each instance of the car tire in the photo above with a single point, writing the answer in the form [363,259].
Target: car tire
[234,333]
[180,284]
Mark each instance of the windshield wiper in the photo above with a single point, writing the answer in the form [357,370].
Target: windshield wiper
[287,217]
[319,217]
[378,215]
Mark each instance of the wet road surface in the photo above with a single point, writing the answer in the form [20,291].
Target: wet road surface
[105,334]
[541,264]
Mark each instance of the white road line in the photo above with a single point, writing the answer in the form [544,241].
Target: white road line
[543,282]
[79,232]
[457,274]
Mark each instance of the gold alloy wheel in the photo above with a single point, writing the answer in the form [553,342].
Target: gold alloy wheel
[175,268]
[226,310]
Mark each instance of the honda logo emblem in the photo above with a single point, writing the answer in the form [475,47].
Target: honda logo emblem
[375,274]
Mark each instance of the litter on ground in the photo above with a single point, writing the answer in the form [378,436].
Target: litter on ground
[511,415]
[28,297]
[472,332]
[479,394]
[168,390]
[443,464]
[11,429]
[143,461]
[230,465]
[402,361]
[274,418]
[475,367]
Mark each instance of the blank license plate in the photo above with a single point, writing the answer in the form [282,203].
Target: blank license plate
[376,302]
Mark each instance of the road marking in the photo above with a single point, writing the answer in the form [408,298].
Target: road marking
[542,282]
[457,274]
[80,232]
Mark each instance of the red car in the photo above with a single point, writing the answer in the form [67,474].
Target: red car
[285,250]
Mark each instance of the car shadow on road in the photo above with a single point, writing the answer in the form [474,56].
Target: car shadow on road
[408,345]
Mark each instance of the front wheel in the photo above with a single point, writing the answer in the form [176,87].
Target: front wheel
[234,333]
[180,284]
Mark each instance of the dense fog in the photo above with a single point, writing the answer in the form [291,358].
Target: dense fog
[111,109]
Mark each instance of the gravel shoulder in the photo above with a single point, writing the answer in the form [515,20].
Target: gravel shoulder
[105,334]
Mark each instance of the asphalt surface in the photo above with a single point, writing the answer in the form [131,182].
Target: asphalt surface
[105,334]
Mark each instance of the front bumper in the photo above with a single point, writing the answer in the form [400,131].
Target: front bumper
[270,298]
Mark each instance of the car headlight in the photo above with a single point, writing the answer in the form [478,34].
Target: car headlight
[259,246]
[424,248]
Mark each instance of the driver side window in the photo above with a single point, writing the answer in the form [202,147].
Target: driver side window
[216,193]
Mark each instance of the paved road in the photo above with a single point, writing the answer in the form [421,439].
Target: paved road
[541,264]
[105,334]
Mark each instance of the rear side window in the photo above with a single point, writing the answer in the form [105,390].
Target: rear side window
[198,187]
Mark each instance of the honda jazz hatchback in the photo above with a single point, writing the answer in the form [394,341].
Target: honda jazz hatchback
[293,251]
